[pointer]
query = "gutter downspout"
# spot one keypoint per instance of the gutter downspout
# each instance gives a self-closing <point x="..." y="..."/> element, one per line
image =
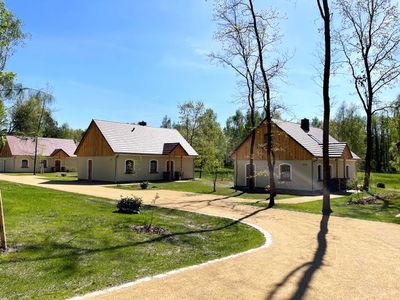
<point x="115" y="168"/>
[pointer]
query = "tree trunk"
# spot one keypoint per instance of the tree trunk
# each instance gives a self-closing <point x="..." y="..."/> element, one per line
<point x="3" y="240"/>
<point x="326" y="201"/>
<point x="267" y="108"/>
<point x="368" y="154"/>
<point x="215" y="181"/>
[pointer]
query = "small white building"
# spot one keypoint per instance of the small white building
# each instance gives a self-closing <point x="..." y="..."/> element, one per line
<point x="124" y="152"/>
<point x="298" y="154"/>
<point x="53" y="155"/>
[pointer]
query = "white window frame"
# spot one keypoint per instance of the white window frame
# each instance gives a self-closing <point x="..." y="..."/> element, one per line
<point x="290" y="173"/>
<point x="156" y="166"/>
<point x="47" y="163"/>
<point x="27" y="164"/>
<point x="133" y="167"/>
<point x="320" y="178"/>
<point x="255" y="174"/>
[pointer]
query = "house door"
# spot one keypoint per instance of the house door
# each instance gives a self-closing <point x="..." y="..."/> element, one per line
<point x="90" y="169"/>
<point x="170" y="166"/>
<point x="248" y="173"/>
<point x="57" y="165"/>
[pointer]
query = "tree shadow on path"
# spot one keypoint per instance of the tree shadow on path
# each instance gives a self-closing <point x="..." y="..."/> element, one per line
<point x="312" y="266"/>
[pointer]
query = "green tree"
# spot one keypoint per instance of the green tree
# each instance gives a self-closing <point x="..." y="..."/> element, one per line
<point x="370" y="42"/>
<point x="348" y="126"/>
<point x="166" y="122"/>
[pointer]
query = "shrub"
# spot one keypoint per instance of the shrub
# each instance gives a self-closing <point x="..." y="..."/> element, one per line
<point x="144" y="185"/>
<point x="130" y="205"/>
<point x="380" y="185"/>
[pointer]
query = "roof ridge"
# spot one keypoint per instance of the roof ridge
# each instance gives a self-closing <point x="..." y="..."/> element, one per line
<point x="132" y="124"/>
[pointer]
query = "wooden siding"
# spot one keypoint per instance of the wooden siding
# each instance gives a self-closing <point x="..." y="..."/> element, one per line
<point x="5" y="151"/>
<point x="94" y="143"/>
<point x="347" y="153"/>
<point x="285" y="147"/>
<point x="178" y="151"/>
<point x="60" y="154"/>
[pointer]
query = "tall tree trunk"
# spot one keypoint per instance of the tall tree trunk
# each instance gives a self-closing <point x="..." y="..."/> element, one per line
<point x="325" y="14"/>
<point x="368" y="154"/>
<point x="267" y="108"/>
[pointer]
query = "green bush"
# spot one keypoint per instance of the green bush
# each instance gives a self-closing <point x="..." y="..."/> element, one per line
<point x="130" y="205"/>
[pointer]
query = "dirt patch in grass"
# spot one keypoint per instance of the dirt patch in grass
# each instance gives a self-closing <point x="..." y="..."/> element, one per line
<point x="153" y="230"/>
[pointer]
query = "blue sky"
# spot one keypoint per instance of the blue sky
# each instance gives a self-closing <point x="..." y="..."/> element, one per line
<point x="128" y="61"/>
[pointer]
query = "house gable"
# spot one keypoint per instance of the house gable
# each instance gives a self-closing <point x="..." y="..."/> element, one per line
<point x="94" y="143"/>
<point x="285" y="147"/>
<point x="59" y="153"/>
<point x="5" y="150"/>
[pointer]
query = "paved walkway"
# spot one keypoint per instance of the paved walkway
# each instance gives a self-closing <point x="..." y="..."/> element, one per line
<point x="311" y="256"/>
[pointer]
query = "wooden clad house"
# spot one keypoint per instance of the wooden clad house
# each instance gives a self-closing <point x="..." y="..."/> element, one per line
<point x="298" y="155"/>
<point x="123" y="152"/>
<point x="53" y="155"/>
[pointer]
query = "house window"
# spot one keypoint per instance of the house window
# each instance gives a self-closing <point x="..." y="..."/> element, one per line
<point x="24" y="163"/>
<point x="330" y="171"/>
<point x="153" y="166"/>
<point x="320" y="173"/>
<point x="285" y="171"/>
<point x="347" y="172"/>
<point x="43" y="163"/>
<point x="129" y="166"/>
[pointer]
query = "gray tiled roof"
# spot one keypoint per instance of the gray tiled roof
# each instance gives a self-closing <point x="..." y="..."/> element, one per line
<point x="312" y="140"/>
<point x="137" y="139"/>
<point x="46" y="146"/>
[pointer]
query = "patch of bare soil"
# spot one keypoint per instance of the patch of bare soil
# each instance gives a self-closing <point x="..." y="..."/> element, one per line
<point x="150" y="229"/>
<point x="373" y="199"/>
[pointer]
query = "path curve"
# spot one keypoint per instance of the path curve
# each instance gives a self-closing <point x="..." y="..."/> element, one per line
<point x="311" y="257"/>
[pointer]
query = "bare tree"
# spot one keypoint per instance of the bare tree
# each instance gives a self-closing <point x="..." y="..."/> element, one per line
<point x="239" y="52"/>
<point x="326" y="17"/>
<point x="265" y="27"/>
<point x="369" y="38"/>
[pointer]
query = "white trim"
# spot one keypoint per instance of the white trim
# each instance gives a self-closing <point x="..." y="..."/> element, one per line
<point x="134" y="165"/>
<point x="173" y="169"/>
<point x="245" y="174"/>
<point x="27" y="163"/>
<point x="291" y="172"/>
<point x="156" y="160"/>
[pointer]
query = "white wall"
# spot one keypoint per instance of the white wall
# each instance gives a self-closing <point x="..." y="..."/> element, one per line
<point x="112" y="168"/>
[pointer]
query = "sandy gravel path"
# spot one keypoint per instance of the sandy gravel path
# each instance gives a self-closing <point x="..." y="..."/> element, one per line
<point x="311" y="257"/>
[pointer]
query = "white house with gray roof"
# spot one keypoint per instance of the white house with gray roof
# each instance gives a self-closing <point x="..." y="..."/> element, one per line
<point x="124" y="152"/>
<point x="298" y="154"/>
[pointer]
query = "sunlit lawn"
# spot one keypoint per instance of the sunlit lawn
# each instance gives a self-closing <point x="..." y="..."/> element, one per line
<point x="63" y="244"/>
<point x="203" y="187"/>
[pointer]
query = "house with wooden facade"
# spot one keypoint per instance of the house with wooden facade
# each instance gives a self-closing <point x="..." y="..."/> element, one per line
<point x="298" y="159"/>
<point x="53" y="155"/>
<point x="124" y="152"/>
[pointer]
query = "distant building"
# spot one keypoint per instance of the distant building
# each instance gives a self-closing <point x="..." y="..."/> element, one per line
<point x="298" y="154"/>
<point x="123" y="152"/>
<point x="53" y="155"/>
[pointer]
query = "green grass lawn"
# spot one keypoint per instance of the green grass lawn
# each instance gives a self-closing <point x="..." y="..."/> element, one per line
<point x="58" y="176"/>
<point x="392" y="181"/>
<point x="63" y="244"/>
<point x="372" y="212"/>
<point x="203" y="187"/>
